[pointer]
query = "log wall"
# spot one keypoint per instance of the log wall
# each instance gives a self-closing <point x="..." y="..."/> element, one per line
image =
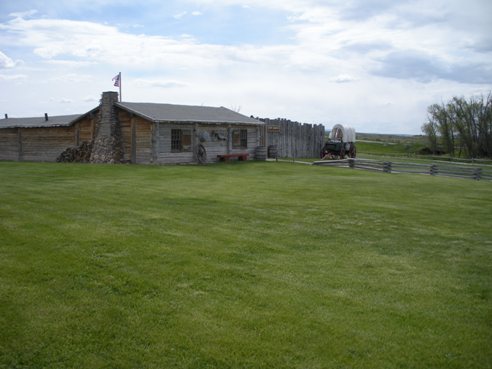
<point x="214" y="146"/>
<point x="9" y="144"/>
<point x="142" y="137"/>
<point x="164" y="154"/>
<point x="43" y="144"/>
<point x="143" y="141"/>
<point x="137" y="136"/>
<point x="86" y="129"/>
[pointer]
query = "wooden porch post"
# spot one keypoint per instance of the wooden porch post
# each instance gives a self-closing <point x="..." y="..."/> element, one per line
<point x="133" y="140"/>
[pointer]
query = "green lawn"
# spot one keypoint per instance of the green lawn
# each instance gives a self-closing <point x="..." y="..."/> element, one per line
<point x="248" y="265"/>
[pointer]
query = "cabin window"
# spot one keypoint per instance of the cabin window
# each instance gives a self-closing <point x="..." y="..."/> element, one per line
<point x="240" y="139"/>
<point x="180" y="140"/>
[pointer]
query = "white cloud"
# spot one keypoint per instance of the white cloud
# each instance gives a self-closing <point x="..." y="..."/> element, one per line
<point x="70" y="63"/>
<point x="26" y="14"/>
<point x="180" y="15"/>
<point x="13" y="77"/>
<point x="92" y="42"/>
<point x="159" y="83"/>
<point x="343" y="78"/>
<point x="323" y="40"/>
<point x="370" y="69"/>
<point x="6" y="62"/>
<point x="184" y="13"/>
<point x="72" y="78"/>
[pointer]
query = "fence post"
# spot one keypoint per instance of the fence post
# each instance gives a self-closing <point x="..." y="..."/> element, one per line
<point x="433" y="170"/>
<point x="477" y="174"/>
<point x="351" y="163"/>
<point x="387" y="167"/>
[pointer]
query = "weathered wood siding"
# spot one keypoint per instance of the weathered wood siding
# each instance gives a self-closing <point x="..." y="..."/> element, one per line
<point x="9" y="144"/>
<point x="253" y="141"/>
<point x="164" y="153"/>
<point x="136" y="134"/>
<point x="218" y="147"/>
<point x="85" y="128"/>
<point x="293" y="139"/>
<point x="143" y="141"/>
<point x="45" y="144"/>
<point x="214" y="145"/>
<point x="126" y="135"/>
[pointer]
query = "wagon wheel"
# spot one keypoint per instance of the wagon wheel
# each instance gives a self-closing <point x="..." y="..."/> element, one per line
<point x="342" y="152"/>
<point x="201" y="154"/>
<point x="353" y="151"/>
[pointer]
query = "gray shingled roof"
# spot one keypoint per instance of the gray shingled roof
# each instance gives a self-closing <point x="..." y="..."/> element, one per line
<point x="186" y="113"/>
<point x="151" y="111"/>
<point x="34" y="122"/>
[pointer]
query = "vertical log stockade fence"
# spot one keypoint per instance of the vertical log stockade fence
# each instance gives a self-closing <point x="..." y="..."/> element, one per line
<point x="284" y="138"/>
<point x="287" y="139"/>
<point x="470" y="171"/>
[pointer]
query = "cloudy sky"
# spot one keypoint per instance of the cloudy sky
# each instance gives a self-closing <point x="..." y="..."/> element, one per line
<point x="372" y="64"/>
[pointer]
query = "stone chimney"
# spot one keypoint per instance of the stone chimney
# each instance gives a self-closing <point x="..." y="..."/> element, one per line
<point x="107" y="147"/>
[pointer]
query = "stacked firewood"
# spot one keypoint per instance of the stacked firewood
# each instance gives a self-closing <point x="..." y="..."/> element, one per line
<point x="80" y="154"/>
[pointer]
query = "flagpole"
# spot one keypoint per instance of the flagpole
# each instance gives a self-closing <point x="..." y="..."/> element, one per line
<point x="117" y="82"/>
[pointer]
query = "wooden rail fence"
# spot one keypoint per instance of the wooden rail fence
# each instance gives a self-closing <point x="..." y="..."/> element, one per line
<point x="433" y="169"/>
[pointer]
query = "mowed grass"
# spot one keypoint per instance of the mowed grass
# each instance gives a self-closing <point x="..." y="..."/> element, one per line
<point x="250" y="265"/>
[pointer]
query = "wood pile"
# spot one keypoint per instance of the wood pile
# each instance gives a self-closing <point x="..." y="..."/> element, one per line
<point x="80" y="154"/>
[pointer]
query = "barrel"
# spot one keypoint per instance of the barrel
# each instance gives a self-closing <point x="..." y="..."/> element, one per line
<point x="272" y="151"/>
<point x="261" y="153"/>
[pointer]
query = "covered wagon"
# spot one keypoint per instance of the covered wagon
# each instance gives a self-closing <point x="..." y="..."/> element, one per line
<point x="341" y="143"/>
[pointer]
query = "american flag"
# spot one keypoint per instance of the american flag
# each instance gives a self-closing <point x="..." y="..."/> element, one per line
<point x="117" y="80"/>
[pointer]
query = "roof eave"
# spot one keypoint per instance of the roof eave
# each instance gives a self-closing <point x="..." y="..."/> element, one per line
<point x="73" y="121"/>
<point x="206" y="121"/>
<point x="133" y="111"/>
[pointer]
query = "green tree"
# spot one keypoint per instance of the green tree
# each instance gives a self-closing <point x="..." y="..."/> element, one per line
<point x="430" y="130"/>
<point x="463" y="127"/>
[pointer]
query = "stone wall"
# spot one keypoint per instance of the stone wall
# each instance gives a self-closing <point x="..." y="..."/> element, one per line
<point x="107" y="146"/>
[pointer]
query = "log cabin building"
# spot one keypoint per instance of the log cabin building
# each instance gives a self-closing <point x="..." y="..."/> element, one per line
<point x="140" y="133"/>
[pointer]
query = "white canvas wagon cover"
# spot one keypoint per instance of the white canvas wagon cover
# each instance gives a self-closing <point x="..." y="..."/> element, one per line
<point x="342" y="133"/>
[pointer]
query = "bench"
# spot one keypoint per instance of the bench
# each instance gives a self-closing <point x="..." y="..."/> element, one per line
<point x="239" y="156"/>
